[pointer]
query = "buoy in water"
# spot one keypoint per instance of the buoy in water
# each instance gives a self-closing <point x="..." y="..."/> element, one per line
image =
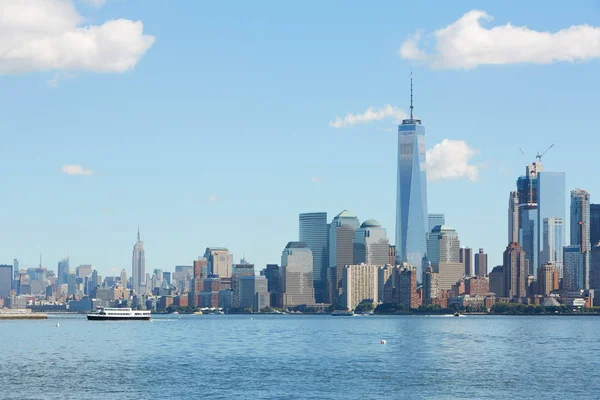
<point x="383" y="342"/>
<point x="58" y="324"/>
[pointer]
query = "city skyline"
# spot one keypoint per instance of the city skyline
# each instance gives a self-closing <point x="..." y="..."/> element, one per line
<point x="60" y="146"/>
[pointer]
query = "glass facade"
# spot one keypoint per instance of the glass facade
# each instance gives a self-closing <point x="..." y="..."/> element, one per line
<point x="552" y="198"/>
<point x="411" y="199"/>
<point x="553" y="242"/>
<point x="528" y="235"/>
<point x="434" y="220"/>
<point x="573" y="268"/>
<point x="314" y="232"/>
<point x="594" y="224"/>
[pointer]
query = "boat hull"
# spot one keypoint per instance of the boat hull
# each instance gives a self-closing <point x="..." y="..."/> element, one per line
<point x="115" y="318"/>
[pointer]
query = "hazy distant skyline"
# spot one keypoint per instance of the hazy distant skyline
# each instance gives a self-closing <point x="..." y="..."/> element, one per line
<point x="216" y="125"/>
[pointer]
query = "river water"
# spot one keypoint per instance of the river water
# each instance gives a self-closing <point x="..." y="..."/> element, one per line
<point x="302" y="357"/>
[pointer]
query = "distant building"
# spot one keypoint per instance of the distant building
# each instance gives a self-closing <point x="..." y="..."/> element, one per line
<point x="431" y="286"/>
<point x="359" y="283"/>
<point x="434" y="220"/>
<point x="573" y="268"/>
<point x="63" y="271"/>
<point x="6" y="276"/>
<point x="466" y="258"/>
<point x="477" y="285"/>
<point x="341" y="249"/>
<point x="166" y="277"/>
<point x="528" y="234"/>
<point x="553" y="242"/>
<point x="219" y="261"/>
<point x="297" y="279"/>
<point x="481" y="260"/>
<point x="392" y="255"/>
<point x="252" y="288"/>
<point x="407" y="287"/>
<point x="314" y="231"/>
<point x="238" y="272"/>
<point x="273" y="274"/>
<point x="580" y="230"/>
<point x="371" y="245"/>
<point x="516" y="272"/>
<point x="443" y="252"/>
<point x="513" y="217"/>
<point x="138" y="265"/>
<point x="551" y="204"/>
<point x="594" y="224"/>
<point x="123" y="278"/>
<point x="595" y="267"/>
<point x="548" y="279"/>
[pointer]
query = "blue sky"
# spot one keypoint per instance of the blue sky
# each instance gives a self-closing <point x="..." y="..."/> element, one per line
<point x="213" y="127"/>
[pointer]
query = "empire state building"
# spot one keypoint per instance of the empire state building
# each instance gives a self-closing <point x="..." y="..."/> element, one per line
<point x="138" y="266"/>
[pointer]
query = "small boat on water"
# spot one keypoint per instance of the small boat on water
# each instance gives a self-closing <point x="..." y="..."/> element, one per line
<point x="197" y="312"/>
<point x="456" y="314"/>
<point x="119" y="314"/>
<point x="342" y="313"/>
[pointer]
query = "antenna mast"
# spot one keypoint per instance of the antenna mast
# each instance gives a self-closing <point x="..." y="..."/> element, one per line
<point x="411" y="96"/>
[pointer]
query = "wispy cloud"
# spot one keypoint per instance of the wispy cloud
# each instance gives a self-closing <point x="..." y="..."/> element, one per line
<point x="316" y="179"/>
<point x="212" y="197"/>
<point x="72" y="169"/>
<point x="467" y="44"/>
<point x="43" y="35"/>
<point x="370" y="115"/>
<point x="451" y="159"/>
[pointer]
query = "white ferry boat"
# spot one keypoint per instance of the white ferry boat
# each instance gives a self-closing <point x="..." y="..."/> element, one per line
<point x="119" y="314"/>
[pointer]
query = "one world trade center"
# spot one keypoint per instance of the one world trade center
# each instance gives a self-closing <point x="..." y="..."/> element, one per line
<point x="411" y="200"/>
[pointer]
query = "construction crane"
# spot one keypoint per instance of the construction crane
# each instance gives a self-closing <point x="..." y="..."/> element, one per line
<point x="539" y="156"/>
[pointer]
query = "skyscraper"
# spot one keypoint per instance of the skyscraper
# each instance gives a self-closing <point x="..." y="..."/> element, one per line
<point x="138" y="266"/>
<point x="6" y="275"/>
<point x="434" y="220"/>
<point x="63" y="271"/>
<point x="513" y="217"/>
<point x="341" y="249"/>
<point x="515" y="272"/>
<point x="551" y="204"/>
<point x="553" y="242"/>
<point x="580" y="229"/>
<point x="573" y="268"/>
<point x="594" y="224"/>
<point x="411" y="195"/>
<point x="466" y="258"/>
<point x="481" y="260"/>
<point x="371" y="245"/>
<point x="443" y="252"/>
<point x="123" y="278"/>
<point x="528" y="233"/>
<point x="314" y="232"/>
<point x="219" y="261"/>
<point x="296" y="278"/>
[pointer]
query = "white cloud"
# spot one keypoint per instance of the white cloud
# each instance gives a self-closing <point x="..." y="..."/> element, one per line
<point x="71" y="169"/>
<point x="316" y="179"/>
<point x="450" y="160"/>
<point x="212" y="197"/>
<point x="372" y="114"/>
<point x="41" y="35"/>
<point x="466" y="44"/>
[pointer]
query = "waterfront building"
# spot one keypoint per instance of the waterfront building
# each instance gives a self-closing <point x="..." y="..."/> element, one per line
<point x="553" y="242"/>
<point x="595" y="267"/>
<point x="406" y="287"/>
<point x="341" y="249"/>
<point x="573" y="268"/>
<point x="251" y="289"/>
<point x="443" y="252"/>
<point x="238" y="271"/>
<point x="138" y="265"/>
<point x="516" y="272"/>
<point x="314" y="231"/>
<point x="594" y="224"/>
<point x="580" y="232"/>
<point x="548" y="279"/>
<point x="273" y="275"/>
<point x="434" y="220"/>
<point x="477" y="285"/>
<point x="431" y="286"/>
<point x="466" y="259"/>
<point x="6" y="277"/>
<point x="200" y="268"/>
<point x="297" y="280"/>
<point x="371" y="245"/>
<point x="528" y="232"/>
<point x="496" y="280"/>
<point x="63" y="271"/>
<point x="513" y="217"/>
<point x="385" y="284"/>
<point x="359" y="283"/>
<point x="219" y="261"/>
<point x="481" y="260"/>
<point x="411" y="194"/>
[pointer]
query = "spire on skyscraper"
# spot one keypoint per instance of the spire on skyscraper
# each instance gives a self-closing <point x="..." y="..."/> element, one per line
<point x="138" y="237"/>
<point x="411" y="96"/>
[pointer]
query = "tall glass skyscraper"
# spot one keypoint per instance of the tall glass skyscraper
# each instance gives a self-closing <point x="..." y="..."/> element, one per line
<point x="434" y="220"/>
<point x="314" y="232"/>
<point x="411" y="196"/>
<point x="594" y="224"/>
<point x="138" y="266"/>
<point x="553" y="243"/>
<point x="528" y="235"/>
<point x="580" y="230"/>
<point x="551" y="205"/>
